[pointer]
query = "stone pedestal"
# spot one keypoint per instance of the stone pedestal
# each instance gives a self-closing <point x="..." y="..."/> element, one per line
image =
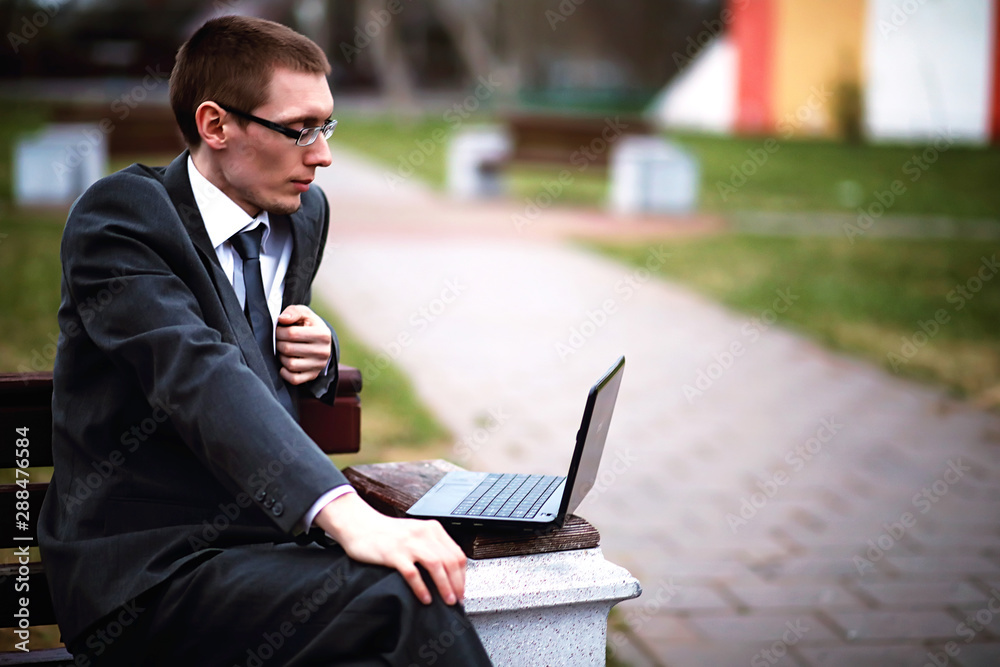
<point x="546" y="609"/>
<point x="473" y="156"/>
<point x="56" y="165"/>
<point x="651" y="175"/>
<point x="533" y="600"/>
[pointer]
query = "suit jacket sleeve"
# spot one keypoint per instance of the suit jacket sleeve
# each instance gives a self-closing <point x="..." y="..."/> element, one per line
<point x="126" y="250"/>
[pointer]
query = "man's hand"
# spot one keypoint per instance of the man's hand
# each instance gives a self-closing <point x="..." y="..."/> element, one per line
<point x="304" y="344"/>
<point x="371" y="537"/>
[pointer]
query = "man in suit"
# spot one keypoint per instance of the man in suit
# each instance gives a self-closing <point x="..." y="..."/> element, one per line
<point x="187" y="507"/>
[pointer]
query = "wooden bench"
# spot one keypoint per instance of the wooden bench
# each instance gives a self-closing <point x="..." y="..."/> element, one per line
<point x="566" y="139"/>
<point x="26" y="403"/>
<point x="576" y="143"/>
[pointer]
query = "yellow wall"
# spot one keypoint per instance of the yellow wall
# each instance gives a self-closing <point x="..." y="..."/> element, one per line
<point x="818" y="43"/>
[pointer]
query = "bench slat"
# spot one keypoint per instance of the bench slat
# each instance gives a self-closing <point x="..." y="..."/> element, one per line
<point x="50" y="657"/>
<point x="40" y="607"/>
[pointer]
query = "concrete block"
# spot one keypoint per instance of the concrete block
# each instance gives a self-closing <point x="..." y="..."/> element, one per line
<point x="56" y="165"/>
<point x="552" y="607"/>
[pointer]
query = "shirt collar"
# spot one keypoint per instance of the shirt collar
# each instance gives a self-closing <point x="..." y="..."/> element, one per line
<point x="222" y="216"/>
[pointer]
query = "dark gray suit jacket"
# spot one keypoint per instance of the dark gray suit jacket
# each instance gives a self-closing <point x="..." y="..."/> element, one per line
<point x="169" y="441"/>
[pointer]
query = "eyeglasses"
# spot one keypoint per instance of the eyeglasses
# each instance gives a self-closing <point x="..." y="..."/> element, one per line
<point x="304" y="137"/>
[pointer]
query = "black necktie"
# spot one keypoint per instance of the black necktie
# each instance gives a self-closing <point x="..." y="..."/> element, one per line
<point x="247" y="245"/>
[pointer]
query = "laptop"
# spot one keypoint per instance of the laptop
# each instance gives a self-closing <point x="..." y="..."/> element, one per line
<point x="465" y="499"/>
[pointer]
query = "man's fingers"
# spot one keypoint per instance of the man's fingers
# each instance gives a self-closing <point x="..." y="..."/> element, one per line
<point x="412" y="576"/>
<point x="456" y="564"/>
<point x="442" y="579"/>
<point x="301" y="350"/>
<point x="297" y="378"/>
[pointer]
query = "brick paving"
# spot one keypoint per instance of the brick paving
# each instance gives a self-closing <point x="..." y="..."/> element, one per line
<point x="781" y="504"/>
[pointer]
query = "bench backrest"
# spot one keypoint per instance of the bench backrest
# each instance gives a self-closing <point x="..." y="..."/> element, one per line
<point x="569" y="140"/>
<point x="26" y="445"/>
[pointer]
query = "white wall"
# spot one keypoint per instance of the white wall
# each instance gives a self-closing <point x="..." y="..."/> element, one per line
<point x="703" y="96"/>
<point x="929" y="68"/>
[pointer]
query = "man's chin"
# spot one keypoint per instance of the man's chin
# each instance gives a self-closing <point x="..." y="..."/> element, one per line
<point x="285" y="205"/>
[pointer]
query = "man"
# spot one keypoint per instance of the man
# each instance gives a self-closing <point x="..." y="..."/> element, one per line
<point x="179" y="525"/>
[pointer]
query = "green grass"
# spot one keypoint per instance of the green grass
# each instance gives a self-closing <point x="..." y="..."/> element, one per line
<point x="29" y="263"/>
<point x="815" y="175"/>
<point x="868" y="298"/>
<point x="395" y="426"/>
<point x="757" y="175"/>
<point x="407" y="148"/>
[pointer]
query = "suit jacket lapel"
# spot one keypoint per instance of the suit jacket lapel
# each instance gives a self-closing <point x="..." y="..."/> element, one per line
<point x="301" y="265"/>
<point x="178" y="186"/>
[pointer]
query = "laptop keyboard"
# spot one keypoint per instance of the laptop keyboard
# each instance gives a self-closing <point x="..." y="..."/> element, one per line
<point x="508" y="496"/>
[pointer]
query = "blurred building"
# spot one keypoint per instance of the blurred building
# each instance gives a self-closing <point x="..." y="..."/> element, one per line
<point x="886" y="69"/>
<point x="595" y="53"/>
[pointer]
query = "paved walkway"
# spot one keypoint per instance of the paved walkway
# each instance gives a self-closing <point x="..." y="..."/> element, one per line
<point x="781" y="504"/>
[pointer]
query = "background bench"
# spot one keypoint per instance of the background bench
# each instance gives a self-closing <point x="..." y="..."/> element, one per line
<point x="566" y="139"/>
<point x="26" y="401"/>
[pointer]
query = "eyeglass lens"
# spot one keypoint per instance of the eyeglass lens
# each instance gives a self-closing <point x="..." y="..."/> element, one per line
<point x="310" y="134"/>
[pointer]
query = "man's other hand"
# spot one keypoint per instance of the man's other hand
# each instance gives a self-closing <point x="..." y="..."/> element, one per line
<point x="371" y="537"/>
<point x="304" y="344"/>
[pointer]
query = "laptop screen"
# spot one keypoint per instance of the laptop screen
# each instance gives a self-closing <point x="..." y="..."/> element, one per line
<point x="597" y="432"/>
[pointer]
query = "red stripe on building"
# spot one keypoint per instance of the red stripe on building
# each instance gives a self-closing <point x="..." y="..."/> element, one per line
<point x="753" y="36"/>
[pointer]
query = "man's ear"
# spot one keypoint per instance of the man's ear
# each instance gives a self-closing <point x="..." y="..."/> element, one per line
<point x="209" y="118"/>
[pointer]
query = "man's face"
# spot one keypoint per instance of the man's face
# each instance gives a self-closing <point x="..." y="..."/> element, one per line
<point x="265" y="170"/>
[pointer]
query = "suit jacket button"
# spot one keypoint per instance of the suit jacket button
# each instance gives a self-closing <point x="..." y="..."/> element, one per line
<point x="260" y="495"/>
<point x="269" y="503"/>
<point x="278" y="509"/>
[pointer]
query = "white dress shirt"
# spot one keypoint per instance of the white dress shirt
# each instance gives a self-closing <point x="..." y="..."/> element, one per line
<point x="223" y="220"/>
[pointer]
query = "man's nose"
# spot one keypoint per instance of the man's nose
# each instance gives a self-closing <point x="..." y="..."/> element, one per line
<point x="318" y="154"/>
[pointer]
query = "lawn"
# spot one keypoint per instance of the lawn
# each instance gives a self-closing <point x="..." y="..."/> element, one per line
<point x="925" y="309"/>
<point x="737" y="174"/>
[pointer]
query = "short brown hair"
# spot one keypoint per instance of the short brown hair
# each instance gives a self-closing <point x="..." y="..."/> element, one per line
<point x="230" y="60"/>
